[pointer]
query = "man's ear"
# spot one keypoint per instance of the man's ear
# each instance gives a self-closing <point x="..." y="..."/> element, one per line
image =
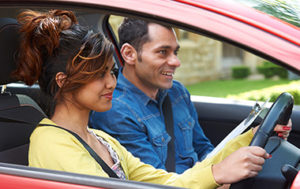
<point x="129" y="53"/>
<point x="60" y="79"/>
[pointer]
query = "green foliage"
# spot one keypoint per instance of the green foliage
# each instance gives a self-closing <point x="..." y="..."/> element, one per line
<point x="224" y="88"/>
<point x="271" y="93"/>
<point x="269" y="70"/>
<point x="240" y="72"/>
<point x="282" y="9"/>
<point x="282" y="73"/>
<point x="239" y="89"/>
<point x="274" y="95"/>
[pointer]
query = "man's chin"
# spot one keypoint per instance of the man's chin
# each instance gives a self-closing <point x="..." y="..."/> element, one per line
<point x="167" y="85"/>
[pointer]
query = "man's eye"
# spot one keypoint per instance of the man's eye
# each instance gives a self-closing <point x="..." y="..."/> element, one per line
<point x="176" y="52"/>
<point x="163" y="52"/>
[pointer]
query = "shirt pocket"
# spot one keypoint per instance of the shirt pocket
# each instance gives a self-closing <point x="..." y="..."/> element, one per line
<point x="186" y="127"/>
<point x="160" y="144"/>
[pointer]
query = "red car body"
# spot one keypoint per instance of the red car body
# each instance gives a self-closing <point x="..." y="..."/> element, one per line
<point x="245" y="27"/>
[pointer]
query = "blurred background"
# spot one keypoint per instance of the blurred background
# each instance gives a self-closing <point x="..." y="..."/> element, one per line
<point x="214" y="68"/>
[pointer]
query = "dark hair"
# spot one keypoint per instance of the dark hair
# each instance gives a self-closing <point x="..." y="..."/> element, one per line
<point x="53" y="42"/>
<point x="134" y="32"/>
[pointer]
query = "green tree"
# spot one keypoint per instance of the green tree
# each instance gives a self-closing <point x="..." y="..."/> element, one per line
<point x="287" y="10"/>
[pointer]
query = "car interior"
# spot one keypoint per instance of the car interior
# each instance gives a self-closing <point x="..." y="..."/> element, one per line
<point x="22" y="107"/>
<point x="19" y="115"/>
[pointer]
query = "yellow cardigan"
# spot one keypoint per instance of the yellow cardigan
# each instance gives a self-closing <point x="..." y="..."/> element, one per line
<point x="55" y="148"/>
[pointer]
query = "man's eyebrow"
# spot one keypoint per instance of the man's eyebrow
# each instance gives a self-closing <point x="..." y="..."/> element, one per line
<point x="169" y="47"/>
<point x="164" y="47"/>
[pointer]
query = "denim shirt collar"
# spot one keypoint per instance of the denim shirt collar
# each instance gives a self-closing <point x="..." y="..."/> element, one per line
<point x="131" y="89"/>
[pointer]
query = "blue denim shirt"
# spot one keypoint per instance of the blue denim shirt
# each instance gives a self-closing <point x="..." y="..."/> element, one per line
<point x="137" y="122"/>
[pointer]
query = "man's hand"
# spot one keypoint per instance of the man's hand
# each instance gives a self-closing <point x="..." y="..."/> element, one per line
<point x="241" y="164"/>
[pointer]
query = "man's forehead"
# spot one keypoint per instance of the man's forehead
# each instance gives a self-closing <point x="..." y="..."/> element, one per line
<point x="162" y="35"/>
<point x="154" y="27"/>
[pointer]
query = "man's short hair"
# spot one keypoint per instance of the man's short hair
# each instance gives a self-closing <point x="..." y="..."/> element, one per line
<point x="134" y="32"/>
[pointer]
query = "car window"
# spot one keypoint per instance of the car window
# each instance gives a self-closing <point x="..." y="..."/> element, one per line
<point x="217" y="69"/>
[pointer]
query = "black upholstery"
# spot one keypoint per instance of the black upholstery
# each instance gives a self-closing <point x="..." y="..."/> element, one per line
<point x="19" y="114"/>
<point x="8" y="45"/>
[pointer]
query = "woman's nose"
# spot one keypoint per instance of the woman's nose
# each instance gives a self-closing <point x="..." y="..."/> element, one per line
<point x="111" y="81"/>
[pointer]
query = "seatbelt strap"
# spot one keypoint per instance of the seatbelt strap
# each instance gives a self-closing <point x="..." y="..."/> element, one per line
<point x="168" y="117"/>
<point x="104" y="166"/>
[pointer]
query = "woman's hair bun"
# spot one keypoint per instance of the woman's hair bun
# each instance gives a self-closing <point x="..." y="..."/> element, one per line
<point x="40" y="37"/>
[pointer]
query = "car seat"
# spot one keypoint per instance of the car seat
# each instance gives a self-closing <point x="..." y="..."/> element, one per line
<point x="19" y="114"/>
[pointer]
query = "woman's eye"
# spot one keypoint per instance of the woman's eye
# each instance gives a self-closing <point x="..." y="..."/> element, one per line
<point x="114" y="71"/>
<point x="102" y="75"/>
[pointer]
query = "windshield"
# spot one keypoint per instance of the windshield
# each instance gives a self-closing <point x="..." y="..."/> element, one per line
<point x="287" y="10"/>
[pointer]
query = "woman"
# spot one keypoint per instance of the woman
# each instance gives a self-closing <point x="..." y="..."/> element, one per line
<point x="75" y="67"/>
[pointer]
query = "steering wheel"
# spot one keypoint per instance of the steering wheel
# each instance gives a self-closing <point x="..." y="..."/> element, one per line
<point x="279" y="113"/>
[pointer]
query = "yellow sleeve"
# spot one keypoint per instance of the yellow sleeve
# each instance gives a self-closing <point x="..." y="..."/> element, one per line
<point x="232" y="146"/>
<point x="200" y="176"/>
<point x="54" y="148"/>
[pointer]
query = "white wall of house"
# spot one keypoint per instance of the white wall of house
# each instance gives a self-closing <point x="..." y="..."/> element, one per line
<point x="205" y="59"/>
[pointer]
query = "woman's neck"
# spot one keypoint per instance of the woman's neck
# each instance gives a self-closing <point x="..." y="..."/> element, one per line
<point x="68" y="116"/>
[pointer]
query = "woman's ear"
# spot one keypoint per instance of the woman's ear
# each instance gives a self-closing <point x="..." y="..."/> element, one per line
<point x="60" y="78"/>
<point x="129" y="53"/>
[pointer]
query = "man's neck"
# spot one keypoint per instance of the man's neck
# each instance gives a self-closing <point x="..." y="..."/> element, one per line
<point x="150" y="92"/>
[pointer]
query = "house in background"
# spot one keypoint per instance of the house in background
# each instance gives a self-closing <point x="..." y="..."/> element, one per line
<point x="205" y="59"/>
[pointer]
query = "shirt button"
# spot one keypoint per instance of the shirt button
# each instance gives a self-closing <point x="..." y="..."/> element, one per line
<point x="163" y="139"/>
<point x="190" y="123"/>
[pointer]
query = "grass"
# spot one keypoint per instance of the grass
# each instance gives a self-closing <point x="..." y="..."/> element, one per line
<point x="227" y="88"/>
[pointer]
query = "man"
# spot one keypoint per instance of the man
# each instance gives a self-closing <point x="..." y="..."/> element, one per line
<point x="150" y="58"/>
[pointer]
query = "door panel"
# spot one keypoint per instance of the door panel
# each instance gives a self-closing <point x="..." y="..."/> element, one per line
<point x="18" y="176"/>
<point x="219" y="117"/>
<point x="26" y="182"/>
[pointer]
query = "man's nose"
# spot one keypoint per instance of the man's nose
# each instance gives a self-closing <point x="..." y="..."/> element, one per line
<point x="174" y="61"/>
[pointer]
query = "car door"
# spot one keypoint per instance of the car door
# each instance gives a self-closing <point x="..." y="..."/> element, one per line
<point x="217" y="116"/>
<point x="19" y="176"/>
<point x="218" y="119"/>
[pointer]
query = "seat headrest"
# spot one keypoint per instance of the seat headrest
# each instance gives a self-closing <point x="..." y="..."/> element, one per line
<point x="9" y="43"/>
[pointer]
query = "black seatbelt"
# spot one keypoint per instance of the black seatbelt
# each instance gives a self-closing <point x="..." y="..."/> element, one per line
<point x="104" y="166"/>
<point x="168" y="117"/>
